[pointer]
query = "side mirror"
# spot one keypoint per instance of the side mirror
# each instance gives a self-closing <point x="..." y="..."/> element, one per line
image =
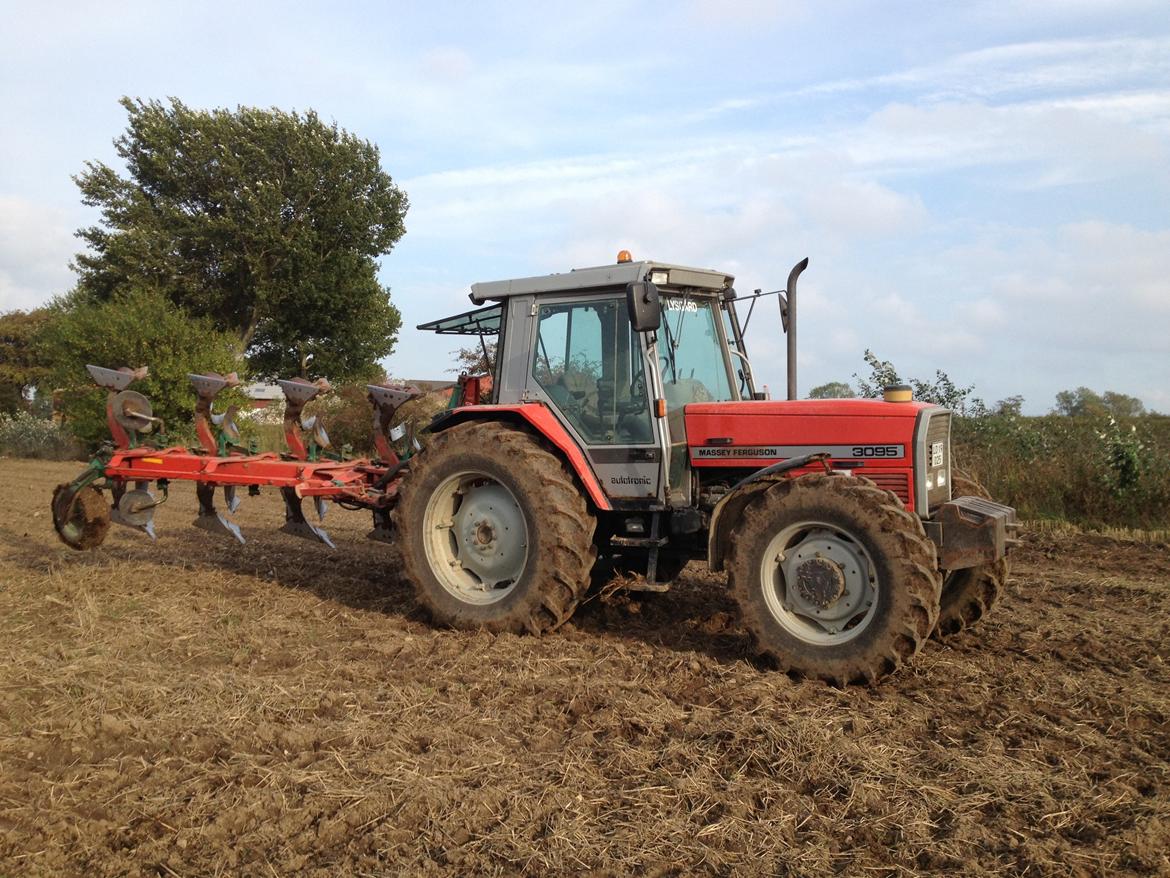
<point x="644" y="306"/>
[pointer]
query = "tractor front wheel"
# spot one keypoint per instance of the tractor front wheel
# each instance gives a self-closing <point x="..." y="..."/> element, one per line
<point x="969" y="594"/>
<point x="496" y="534"/>
<point x="834" y="578"/>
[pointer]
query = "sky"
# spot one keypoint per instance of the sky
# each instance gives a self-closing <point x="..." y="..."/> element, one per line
<point x="981" y="188"/>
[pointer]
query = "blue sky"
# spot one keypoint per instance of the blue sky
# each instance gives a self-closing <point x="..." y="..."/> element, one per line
<point x="982" y="188"/>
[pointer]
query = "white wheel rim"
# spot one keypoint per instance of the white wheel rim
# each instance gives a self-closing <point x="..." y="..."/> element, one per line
<point x="476" y="538"/>
<point x="840" y="566"/>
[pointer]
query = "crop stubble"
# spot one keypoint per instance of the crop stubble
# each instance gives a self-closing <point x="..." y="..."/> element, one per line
<point x="194" y="707"/>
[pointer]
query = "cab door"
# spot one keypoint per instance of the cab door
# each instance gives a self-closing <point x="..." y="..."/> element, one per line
<point x="589" y="366"/>
<point x="695" y="366"/>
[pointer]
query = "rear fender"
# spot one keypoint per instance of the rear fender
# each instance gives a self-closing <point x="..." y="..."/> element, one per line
<point x="544" y="423"/>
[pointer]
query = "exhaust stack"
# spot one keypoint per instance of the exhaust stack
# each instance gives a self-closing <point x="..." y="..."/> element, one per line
<point x="788" y="321"/>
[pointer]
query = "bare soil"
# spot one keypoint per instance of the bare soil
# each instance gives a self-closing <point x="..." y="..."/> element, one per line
<point x="196" y="707"/>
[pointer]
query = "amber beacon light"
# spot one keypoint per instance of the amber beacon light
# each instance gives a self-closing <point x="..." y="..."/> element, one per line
<point x="897" y="393"/>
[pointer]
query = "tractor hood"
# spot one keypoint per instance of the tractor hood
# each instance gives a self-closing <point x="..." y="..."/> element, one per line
<point x="809" y="407"/>
<point x="756" y="433"/>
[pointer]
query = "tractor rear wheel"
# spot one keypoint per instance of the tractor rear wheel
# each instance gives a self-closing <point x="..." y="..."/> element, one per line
<point x="968" y="594"/>
<point x="834" y="578"/>
<point x="495" y="531"/>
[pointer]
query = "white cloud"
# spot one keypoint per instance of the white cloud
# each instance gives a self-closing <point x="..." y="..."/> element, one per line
<point x="1067" y="144"/>
<point x="863" y="208"/>
<point x="36" y="245"/>
<point x="447" y="62"/>
<point x="1011" y="71"/>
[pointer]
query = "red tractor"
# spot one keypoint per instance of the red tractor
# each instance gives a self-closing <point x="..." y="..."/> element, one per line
<point x="621" y="425"/>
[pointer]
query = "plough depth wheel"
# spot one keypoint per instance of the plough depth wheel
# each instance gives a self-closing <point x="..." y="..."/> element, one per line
<point x="81" y="517"/>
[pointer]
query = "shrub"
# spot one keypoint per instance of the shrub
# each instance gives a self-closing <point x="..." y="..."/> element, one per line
<point x="348" y="418"/>
<point x="138" y="327"/>
<point x="24" y="435"/>
<point x="1090" y="470"/>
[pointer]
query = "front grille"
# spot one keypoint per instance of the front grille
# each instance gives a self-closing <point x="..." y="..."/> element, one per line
<point x="898" y="483"/>
<point x="939" y="431"/>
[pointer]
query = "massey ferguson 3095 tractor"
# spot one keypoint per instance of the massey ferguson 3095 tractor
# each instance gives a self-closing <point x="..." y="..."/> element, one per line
<point x="621" y="426"/>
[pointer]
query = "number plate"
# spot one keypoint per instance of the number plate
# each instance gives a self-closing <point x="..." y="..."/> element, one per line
<point x="936" y="454"/>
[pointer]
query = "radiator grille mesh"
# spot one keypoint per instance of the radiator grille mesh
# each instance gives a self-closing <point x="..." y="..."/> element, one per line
<point x="899" y="483"/>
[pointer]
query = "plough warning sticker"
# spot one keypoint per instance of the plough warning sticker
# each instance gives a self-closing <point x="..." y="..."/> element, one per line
<point x="784" y="452"/>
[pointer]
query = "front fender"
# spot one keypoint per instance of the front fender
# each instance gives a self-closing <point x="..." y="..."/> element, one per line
<point x="725" y="515"/>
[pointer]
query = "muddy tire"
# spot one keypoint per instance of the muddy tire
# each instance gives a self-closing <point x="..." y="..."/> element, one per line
<point x="495" y="531"/>
<point x="834" y="578"/>
<point x="968" y="594"/>
<point x="81" y="523"/>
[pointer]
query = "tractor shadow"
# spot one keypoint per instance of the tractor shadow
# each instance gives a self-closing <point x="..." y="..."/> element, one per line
<point x="696" y="616"/>
<point x="361" y="577"/>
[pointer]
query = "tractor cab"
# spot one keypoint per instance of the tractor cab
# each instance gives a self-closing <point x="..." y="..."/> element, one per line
<point x="616" y="353"/>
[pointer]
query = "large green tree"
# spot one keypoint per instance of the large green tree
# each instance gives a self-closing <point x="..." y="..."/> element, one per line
<point x="266" y="222"/>
<point x="832" y="390"/>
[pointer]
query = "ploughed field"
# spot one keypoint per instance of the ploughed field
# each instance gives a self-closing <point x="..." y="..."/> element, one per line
<point x="196" y="707"/>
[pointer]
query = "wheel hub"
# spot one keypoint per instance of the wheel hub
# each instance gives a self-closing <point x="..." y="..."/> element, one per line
<point x="820" y="582"/>
<point x="476" y="538"/>
<point x="490" y="534"/>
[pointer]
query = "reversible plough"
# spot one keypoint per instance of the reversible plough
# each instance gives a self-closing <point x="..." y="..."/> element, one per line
<point x="140" y="456"/>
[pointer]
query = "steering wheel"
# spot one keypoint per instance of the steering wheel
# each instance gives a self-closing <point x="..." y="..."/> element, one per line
<point x="636" y="401"/>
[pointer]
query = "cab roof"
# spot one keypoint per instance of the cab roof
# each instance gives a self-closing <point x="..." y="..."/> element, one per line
<point x="616" y="275"/>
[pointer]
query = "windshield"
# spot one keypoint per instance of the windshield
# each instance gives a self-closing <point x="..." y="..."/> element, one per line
<point x="694" y="367"/>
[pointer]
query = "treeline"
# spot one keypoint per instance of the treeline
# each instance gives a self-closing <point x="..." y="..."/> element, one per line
<point x="1092" y="469"/>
